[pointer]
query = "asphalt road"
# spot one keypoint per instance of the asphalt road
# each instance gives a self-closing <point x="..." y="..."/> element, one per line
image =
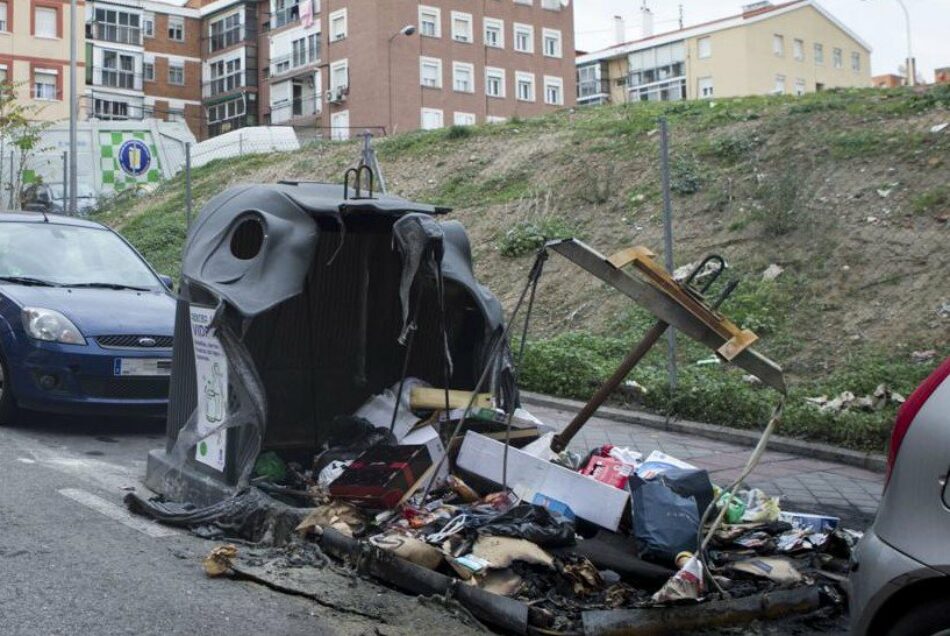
<point x="73" y="562"/>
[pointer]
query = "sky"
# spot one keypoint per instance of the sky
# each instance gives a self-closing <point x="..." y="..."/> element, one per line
<point x="878" y="22"/>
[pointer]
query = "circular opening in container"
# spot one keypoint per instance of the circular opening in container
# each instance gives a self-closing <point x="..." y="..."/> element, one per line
<point x="247" y="239"/>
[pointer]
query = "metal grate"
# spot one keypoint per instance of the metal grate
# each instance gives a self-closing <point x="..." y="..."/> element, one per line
<point x="134" y="342"/>
<point x="130" y="388"/>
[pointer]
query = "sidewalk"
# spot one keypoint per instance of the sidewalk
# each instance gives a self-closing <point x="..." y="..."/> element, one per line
<point x="804" y="484"/>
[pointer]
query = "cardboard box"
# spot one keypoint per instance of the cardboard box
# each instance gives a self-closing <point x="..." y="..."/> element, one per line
<point x="609" y="471"/>
<point x="424" y="398"/>
<point x="587" y="497"/>
<point x="381" y="476"/>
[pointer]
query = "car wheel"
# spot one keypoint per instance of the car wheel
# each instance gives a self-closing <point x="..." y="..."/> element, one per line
<point x="930" y="619"/>
<point x="8" y="408"/>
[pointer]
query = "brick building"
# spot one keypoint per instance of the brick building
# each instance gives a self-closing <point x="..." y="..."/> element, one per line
<point x="34" y="54"/>
<point x="328" y="66"/>
<point x="942" y="75"/>
<point x="889" y="80"/>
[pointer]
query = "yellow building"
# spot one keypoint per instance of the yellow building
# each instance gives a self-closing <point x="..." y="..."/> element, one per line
<point x="34" y="53"/>
<point x="791" y="48"/>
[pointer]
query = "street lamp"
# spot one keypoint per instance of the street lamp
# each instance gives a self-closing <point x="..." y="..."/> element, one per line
<point x="407" y="31"/>
<point x="911" y="67"/>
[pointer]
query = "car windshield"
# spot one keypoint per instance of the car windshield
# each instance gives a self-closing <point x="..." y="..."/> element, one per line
<point x="70" y="255"/>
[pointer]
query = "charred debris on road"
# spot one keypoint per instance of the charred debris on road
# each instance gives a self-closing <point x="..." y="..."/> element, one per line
<point x="311" y="422"/>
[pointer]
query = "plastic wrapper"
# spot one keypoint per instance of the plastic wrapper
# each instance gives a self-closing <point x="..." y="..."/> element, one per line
<point x="686" y="584"/>
<point x="534" y="523"/>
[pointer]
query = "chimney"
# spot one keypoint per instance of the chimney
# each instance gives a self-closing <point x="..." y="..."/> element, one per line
<point x="620" y="30"/>
<point x="646" y="21"/>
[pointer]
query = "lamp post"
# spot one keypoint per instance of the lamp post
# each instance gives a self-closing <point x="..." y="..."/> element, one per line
<point x="407" y="30"/>
<point x="73" y="169"/>
<point x="911" y="66"/>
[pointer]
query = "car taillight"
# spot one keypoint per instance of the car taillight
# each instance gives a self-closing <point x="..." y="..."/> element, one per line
<point x="908" y="411"/>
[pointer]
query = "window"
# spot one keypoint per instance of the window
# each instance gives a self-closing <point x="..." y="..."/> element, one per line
<point x="44" y="84"/>
<point x="819" y="54"/>
<point x="658" y="73"/>
<point x="227" y="110"/>
<point x="495" y="82"/>
<point x="552" y="43"/>
<point x="464" y="119"/>
<point x="778" y="45"/>
<point x="495" y="119"/>
<point x="704" y="86"/>
<point x="118" y="70"/>
<point x="856" y="62"/>
<point x="226" y="76"/>
<point x="462" y="77"/>
<point x="430" y="21"/>
<point x="798" y="50"/>
<point x="4" y="24"/>
<point x="779" y="85"/>
<point x="494" y="33"/>
<point x="176" y="73"/>
<point x="340" y="75"/>
<point x="176" y="28"/>
<point x="553" y="91"/>
<point x="431" y="118"/>
<point x="117" y="26"/>
<point x="44" y="22"/>
<point x="837" y="58"/>
<point x="225" y="32"/>
<point x="3" y="73"/>
<point x="704" y="47"/>
<point x="524" y="38"/>
<point x="338" y="25"/>
<point x="148" y="71"/>
<point x="430" y="72"/>
<point x="148" y="25"/>
<point x="108" y="109"/>
<point x="799" y="87"/>
<point x="524" y="86"/>
<point x="461" y="26"/>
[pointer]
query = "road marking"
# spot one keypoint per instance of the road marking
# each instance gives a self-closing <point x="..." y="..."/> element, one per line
<point x="118" y="513"/>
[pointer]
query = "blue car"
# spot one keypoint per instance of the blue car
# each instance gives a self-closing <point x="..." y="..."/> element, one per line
<point x="86" y="324"/>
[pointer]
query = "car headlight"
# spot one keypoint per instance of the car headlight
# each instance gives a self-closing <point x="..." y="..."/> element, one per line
<point x="50" y="326"/>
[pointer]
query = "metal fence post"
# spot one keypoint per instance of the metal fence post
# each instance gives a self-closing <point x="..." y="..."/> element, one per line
<point x="668" y="238"/>
<point x="65" y="175"/>
<point x="13" y="193"/>
<point x="241" y="145"/>
<point x="187" y="184"/>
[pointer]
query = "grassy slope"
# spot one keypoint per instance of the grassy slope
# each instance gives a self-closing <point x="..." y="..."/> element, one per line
<point x="758" y="180"/>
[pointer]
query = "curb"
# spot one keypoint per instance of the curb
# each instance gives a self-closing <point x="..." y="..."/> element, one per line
<point x="868" y="461"/>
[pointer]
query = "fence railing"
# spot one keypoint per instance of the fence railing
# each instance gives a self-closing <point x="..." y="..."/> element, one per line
<point x="120" y="34"/>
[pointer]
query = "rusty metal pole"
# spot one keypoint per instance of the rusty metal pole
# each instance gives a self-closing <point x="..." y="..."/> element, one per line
<point x="562" y="439"/>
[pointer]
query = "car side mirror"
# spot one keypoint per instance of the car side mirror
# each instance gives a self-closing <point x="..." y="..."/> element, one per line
<point x="167" y="281"/>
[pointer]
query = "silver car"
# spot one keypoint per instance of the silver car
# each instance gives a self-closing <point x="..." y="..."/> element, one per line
<point x="900" y="572"/>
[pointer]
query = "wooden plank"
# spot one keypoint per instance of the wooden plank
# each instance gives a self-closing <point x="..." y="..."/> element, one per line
<point x="432" y="398"/>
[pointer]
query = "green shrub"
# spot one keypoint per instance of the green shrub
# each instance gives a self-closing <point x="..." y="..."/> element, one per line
<point x="527" y="237"/>
<point x="733" y="148"/>
<point x="781" y="210"/>
<point x="685" y="175"/>
<point x="458" y="132"/>
<point x="932" y="200"/>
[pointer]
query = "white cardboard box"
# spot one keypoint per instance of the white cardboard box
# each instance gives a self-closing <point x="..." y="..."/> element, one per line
<point x="588" y="498"/>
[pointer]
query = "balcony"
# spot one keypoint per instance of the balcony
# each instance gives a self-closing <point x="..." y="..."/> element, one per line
<point x="295" y="109"/>
<point x="117" y="33"/>
<point x="115" y="78"/>
<point x="286" y="64"/>
<point x="284" y="16"/>
<point x="592" y="89"/>
<point x="229" y="83"/>
<point x="233" y="36"/>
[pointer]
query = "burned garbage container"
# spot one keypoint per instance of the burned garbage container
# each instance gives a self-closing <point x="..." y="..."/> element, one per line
<point x="298" y="302"/>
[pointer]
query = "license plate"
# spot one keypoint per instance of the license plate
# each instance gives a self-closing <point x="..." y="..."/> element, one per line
<point x="142" y="367"/>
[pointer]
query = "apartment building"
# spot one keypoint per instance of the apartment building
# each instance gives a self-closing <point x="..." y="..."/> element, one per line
<point x="791" y="48"/>
<point x="351" y="64"/>
<point x="34" y="54"/>
<point x="328" y="66"/>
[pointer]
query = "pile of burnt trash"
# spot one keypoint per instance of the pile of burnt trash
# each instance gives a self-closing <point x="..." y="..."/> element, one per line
<point x="576" y="543"/>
